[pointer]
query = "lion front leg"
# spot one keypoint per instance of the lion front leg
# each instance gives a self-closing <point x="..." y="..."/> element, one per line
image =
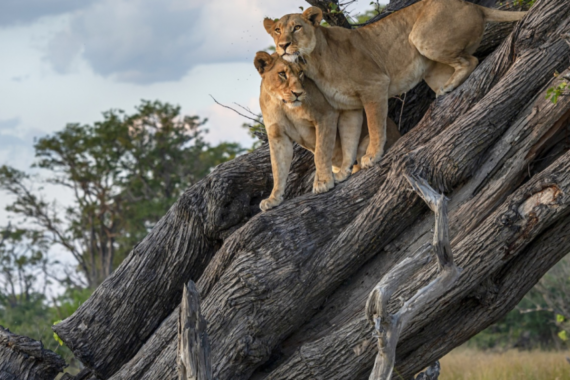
<point x="281" y="150"/>
<point x="376" y="113"/>
<point x="325" y="140"/>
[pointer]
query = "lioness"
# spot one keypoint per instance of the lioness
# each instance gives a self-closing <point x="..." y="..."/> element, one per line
<point x="361" y="68"/>
<point x="294" y="109"/>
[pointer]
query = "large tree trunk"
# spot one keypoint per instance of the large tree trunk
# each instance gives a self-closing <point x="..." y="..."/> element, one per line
<point x="22" y="358"/>
<point x="284" y="291"/>
<point x="108" y="329"/>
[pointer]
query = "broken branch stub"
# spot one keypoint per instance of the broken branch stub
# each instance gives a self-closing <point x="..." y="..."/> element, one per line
<point x="193" y="354"/>
<point x="389" y="326"/>
<point x="22" y="358"/>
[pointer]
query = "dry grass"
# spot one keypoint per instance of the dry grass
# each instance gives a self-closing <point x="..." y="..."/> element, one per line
<point x="468" y="364"/>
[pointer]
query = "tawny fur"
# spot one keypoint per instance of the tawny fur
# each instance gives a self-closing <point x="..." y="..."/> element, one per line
<point x="294" y="110"/>
<point x="362" y="68"/>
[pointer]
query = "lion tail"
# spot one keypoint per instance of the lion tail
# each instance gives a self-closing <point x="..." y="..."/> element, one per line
<point x="495" y="15"/>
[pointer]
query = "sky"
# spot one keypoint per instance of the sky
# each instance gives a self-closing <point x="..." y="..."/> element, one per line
<point x="67" y="61"/>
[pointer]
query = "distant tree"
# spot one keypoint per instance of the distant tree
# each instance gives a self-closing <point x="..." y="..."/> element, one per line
<point x="119" y="175"/>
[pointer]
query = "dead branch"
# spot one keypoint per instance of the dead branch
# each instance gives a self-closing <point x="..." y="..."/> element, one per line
<point x="23" y="358"/>
<point x="389" y="326"/>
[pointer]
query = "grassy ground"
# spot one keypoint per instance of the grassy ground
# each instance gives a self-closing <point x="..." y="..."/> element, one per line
<point x="469" y="364"/>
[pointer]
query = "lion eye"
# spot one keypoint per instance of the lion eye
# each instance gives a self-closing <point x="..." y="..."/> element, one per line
<point x="278" y="31"/>
<point x="297" y="27"/>
<point x="283" y="75"/>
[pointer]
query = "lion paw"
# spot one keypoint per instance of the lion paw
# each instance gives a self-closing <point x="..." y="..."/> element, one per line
<point x="269" y="203"/>
<point x="442" y="91"/>
<point x="369" y="160"/>
<point x="322" y="186"/>
<point x="341" y="175"/>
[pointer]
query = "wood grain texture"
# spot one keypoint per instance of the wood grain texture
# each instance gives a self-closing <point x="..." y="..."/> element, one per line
<point x="22" y="358"/>
<point x="388" y="326"/>
<point x="193" y="355"/>
<point x="108" y="329"/>
<point x="272" y="275"/>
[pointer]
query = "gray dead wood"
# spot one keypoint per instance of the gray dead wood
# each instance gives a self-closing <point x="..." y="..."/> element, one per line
<point x="388" y="326"/>
<point x="193" y="355"/>
<point x="431" y="373"/>
<point x="530" y="138"/>
<point x="108" y="329"/>
<point x="184" y="241"/>
<point x="22" y="358"/>
<point x="498" y="269"/>
<point x="271" y="275"/>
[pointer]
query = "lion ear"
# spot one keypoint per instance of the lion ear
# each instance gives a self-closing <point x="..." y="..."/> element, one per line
<point x="268" y="24"/>
<point x="262" y="61"/>
<point x="313" y="15"/>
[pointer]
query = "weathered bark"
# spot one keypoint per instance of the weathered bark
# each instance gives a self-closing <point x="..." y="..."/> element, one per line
<point x="333" y="18"/>
<point x="193" y="353"/>
<point x="484" y="255"/>
<point x="22" y="358"/>
<point x="506" y="166"/>
<point x="84" y="374"/>
<point x="389" y="326"/>
<point x="227" y="192"/>
<point x="270" y="275"/>
<point x="108" y="329"/>
<point x="431" y="373"/>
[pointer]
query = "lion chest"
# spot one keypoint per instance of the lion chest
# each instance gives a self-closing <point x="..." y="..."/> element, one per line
<point x="301" y="130"/>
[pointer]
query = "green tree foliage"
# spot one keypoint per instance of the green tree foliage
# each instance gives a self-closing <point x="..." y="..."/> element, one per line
<point x="120" y="175"/>
<point x="541" y="320"/>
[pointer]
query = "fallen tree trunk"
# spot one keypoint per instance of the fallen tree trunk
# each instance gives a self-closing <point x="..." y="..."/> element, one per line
<point x="506" y="166"/>
<point x="22" y="358"/>
<point x="270" y="275"/>
<point x="110" y="327"/>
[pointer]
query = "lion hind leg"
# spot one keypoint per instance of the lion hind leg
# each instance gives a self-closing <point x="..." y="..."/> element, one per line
<point x="464" y="66"/>
<point x="438" y="75"/>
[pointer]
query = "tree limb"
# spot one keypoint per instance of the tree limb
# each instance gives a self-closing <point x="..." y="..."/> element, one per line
<point x="388" y="326"/>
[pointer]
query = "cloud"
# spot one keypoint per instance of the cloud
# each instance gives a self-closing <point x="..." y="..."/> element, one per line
<point x="9" y="123"/>
<point x="13" y="12"/>
<point x="147" y="41"/>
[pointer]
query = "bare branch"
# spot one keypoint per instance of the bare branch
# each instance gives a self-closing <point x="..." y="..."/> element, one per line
<point x="389" y="326"/>
<point x="236" y="111"/>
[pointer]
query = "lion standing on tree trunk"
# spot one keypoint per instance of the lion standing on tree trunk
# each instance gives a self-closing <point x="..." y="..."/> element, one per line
<point x="360" y="68"/>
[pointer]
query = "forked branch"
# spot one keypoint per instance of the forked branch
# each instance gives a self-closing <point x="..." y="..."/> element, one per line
<point x="389" y="326"/>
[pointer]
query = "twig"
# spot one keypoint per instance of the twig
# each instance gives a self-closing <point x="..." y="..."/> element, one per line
<point x="538" y="308"/>
<point x="245" y="109"/>
<point x="236" y="111"/>
<point x="402" y="111"/>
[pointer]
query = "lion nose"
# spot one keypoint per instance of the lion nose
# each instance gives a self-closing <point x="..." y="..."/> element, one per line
<point x="284" y="46"/>
<point x="297" y="94"/>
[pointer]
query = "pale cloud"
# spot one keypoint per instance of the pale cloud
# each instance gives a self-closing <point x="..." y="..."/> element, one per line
<point x="148" y="41"/>
<point x="14" y="12"/>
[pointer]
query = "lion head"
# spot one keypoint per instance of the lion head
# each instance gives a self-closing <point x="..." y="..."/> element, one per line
<point x="282" y="79"/>
<point x="294" y="34"/>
